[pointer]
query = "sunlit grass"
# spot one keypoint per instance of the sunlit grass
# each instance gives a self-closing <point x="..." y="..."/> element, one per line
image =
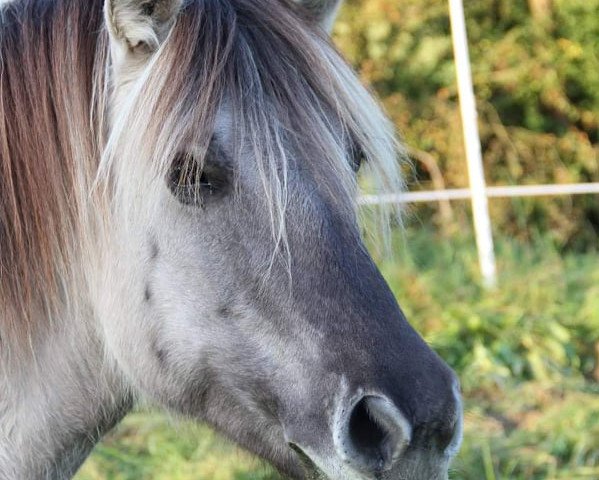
<point x="155" y="446"/>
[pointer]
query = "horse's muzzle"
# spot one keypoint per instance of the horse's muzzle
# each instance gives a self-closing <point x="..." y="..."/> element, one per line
<point x="373" y="439"/>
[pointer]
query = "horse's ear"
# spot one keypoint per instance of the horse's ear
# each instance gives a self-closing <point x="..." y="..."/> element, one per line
<point x="140" y="26"/>
<point x="324" y="12"/>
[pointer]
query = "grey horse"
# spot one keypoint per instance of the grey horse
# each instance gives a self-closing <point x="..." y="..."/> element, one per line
<point x="178" y="224"/>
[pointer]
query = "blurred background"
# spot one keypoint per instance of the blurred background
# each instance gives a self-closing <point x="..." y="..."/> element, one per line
<point x="527" y="352"/>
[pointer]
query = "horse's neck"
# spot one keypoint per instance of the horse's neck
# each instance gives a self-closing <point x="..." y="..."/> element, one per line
<point x="54" y="408"/>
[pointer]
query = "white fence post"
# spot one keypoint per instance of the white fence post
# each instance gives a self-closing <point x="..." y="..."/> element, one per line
<point x="480" y="207"/>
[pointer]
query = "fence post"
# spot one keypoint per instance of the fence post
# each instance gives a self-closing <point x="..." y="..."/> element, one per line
<point x="480" y="207"/>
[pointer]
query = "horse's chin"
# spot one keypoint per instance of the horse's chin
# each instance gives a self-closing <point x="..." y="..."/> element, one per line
<point x="417" y="467"/>
<point x="396" y="474"/>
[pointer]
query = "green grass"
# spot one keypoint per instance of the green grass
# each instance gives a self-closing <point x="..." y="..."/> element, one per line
<point x="153" y="446"/>
<point x="526" y="354"/>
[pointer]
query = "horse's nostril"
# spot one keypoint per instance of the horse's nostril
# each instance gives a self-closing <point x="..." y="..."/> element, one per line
<point x="367" y="435"/>
<point x="375" y="434"/>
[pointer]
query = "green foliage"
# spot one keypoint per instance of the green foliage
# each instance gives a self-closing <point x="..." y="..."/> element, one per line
<point x="533" y="431"/>
<point x="152" y="446"/>
<point x="536" y="78"/>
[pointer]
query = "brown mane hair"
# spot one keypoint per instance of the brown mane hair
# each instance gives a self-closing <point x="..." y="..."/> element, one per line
<point x="49" y="53"/>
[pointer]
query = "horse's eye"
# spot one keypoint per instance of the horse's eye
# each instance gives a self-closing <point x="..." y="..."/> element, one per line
<point x="193" y="184"/>
<point x="357" y="157"/>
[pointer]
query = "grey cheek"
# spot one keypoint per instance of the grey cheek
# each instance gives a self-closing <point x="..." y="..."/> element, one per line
<point x="147" y="293"/>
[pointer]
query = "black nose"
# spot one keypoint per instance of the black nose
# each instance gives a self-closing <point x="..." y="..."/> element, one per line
<point x="442" y="431"/>
<point x="437" y="425"/>
<point x="375" y="433"/>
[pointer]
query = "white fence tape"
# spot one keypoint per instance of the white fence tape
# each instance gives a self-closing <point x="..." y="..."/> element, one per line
<point x="491" y="192"/>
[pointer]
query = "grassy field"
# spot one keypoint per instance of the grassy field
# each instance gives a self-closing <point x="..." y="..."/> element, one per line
<point x="526" y="354"/>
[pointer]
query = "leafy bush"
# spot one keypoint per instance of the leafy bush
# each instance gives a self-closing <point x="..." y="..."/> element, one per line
<point x="536" y="78"/>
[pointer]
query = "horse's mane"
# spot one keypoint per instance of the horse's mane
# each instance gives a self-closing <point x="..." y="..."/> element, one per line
<point x="281" y="77"/>
<point x="49" y="50"/>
